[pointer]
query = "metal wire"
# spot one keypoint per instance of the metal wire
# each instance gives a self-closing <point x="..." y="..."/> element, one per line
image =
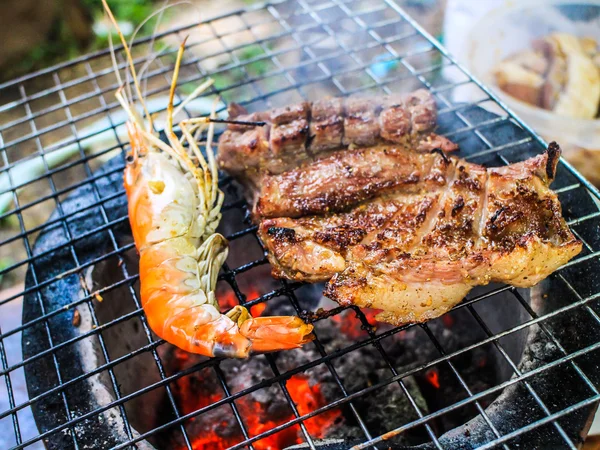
<point x="43" y="118"/>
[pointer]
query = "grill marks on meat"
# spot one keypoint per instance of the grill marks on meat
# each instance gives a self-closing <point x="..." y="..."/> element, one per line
<point x="326" y="125"/>
<point x="416" y="251"/>
<point x="361" y="124"/>
<point x="390" y="221"/>
<point x="343" y="179"/>
<point x="454" y="227"/>
<point x="308" y="131"/>
<point x="334" y="235"/>
<point x="289" y="132"/>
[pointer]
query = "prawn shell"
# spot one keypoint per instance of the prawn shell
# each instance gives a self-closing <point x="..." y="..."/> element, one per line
<point x="169" y="224"/>
<point x="162" y="201"/>
<point x="276" y="333"/>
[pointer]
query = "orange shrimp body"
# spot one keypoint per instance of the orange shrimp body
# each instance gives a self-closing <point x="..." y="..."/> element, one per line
<point x="180" y="257"/>
<point x="174" y="210"/>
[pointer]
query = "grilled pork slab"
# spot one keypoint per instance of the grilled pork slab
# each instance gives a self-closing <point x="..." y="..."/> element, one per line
<point x="305" y="132"/>
<point x="418" y="248"/>
<point x="360" y="194"/>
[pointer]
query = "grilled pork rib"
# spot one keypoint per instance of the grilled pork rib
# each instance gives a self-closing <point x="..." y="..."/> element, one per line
<point x="416" y="251"/>
<point x="396" y="225"/>
<point x="305" y="132"/>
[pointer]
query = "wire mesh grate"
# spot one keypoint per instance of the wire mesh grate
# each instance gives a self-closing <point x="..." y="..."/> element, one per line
<point x="63" y="147"/>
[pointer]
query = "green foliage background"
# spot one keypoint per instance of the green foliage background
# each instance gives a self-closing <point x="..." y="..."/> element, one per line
<point x="62" y="45"/>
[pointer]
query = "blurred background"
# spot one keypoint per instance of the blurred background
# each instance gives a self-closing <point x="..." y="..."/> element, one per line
<point x="37" y="34"/>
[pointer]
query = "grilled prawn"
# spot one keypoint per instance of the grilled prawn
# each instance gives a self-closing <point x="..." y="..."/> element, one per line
<point x="174" y="210"/>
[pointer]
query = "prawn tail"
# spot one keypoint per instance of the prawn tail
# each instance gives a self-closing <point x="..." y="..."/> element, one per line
<point x="177" y="294"/>
<point x="276" y="333"/>
<point x="204" y="330"/>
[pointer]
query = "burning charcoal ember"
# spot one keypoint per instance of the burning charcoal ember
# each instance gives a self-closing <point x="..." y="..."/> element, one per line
<point x="355" y="328"/>
<point x="432" y="389"/>
<point x="261" y="410"/>
<point x="381" y="410"/>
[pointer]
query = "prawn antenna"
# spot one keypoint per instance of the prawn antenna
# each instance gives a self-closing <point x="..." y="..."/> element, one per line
<point x="172" y="90"/>
<point x="151" y="55"/>
<point x="131" y="63"/>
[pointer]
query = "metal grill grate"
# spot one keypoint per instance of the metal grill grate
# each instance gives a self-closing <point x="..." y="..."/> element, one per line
<point x="260" y="56"/>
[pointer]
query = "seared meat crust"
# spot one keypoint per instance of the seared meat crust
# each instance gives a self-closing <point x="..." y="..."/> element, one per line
<point x="415" y="251"/>
<point x="326" y="125"/>
<point x="361" y="194"/>
<point x="343" y="179"/>
<point x="308" y="131"/>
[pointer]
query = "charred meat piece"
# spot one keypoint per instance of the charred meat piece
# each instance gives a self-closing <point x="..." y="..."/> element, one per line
<point x="395" y="122"/>
<point x="421" y="106"/>
<point x="242" y="148"/>
<point x="337" y="182"/>
<point x="398" y="226"/>
<point x="326" y="125"/>
<point x="289" y="131"/>
<point x="417" y="250"/>
<point x="314" y="248"/>
<point x="306" y="131"/>
<point x="361" y="126"/>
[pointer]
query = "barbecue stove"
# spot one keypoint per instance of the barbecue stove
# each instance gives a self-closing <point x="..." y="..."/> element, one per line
<point x="506" y="368"/>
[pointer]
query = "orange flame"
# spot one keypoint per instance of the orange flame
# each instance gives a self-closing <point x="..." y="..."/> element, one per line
<point x="229" y="300"/>
<point x="351" y="326"/>
<point x="257" y="309"/>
